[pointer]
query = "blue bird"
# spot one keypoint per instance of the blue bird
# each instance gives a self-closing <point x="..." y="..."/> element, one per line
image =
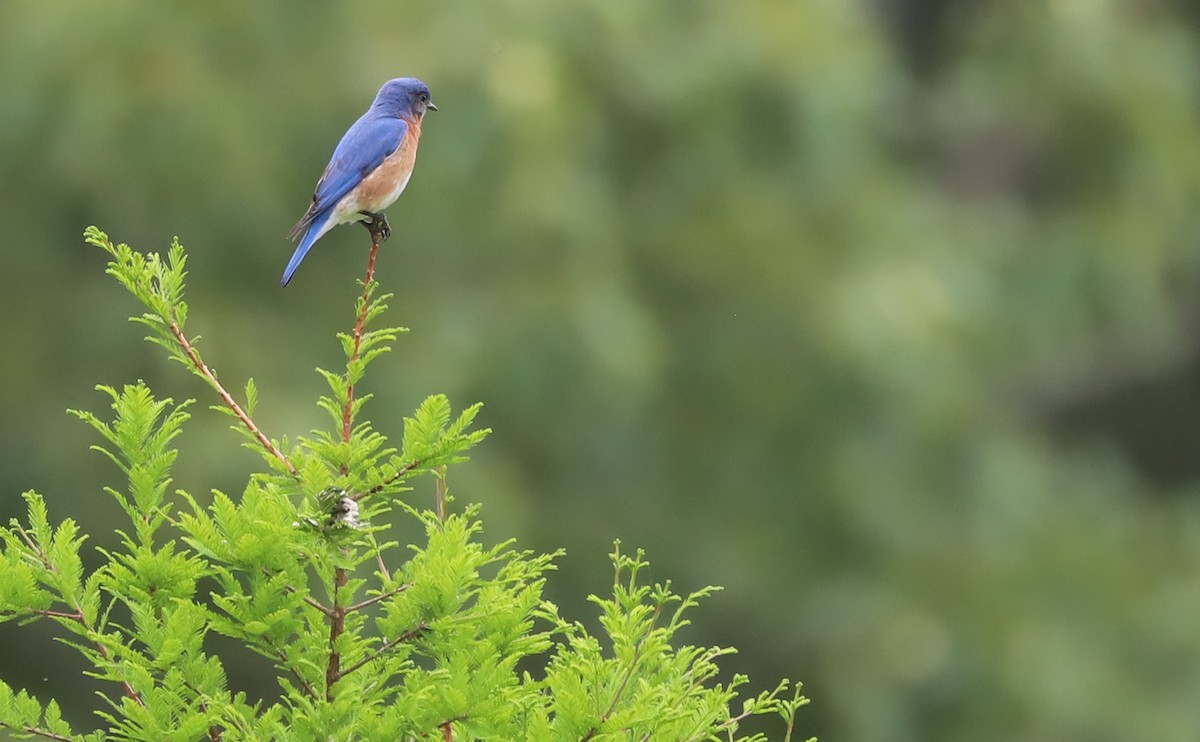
<point x="369" y="169"/>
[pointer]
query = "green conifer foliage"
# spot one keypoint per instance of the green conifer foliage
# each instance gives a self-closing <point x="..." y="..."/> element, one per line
<point x="441" y="639"/>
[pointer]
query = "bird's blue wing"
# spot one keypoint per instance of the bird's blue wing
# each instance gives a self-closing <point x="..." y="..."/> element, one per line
<point x="362" y="149"/>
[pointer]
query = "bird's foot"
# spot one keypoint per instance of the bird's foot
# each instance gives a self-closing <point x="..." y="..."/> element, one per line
<point x="377" y="225"/>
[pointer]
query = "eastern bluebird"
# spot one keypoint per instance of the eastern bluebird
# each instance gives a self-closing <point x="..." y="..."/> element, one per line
<point x="369" y="168"/>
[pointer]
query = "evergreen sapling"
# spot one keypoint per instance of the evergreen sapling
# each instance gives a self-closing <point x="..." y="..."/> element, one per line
<point x="371" y="639"/>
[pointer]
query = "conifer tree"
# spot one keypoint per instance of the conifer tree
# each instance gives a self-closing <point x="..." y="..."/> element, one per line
<point x="441" y="639"/>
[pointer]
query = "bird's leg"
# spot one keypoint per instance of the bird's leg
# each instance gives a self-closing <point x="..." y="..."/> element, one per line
<point x="377" y="225"/>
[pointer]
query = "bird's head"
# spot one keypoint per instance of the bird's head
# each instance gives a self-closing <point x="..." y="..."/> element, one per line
<point x="404" y="96"/>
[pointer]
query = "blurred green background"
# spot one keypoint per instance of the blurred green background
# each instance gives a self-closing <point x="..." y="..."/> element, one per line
<point x="883" y="314"/>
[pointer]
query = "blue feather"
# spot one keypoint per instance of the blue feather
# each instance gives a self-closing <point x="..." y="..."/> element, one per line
<point x="310" y="238"/>
<point x="363" y="148"/>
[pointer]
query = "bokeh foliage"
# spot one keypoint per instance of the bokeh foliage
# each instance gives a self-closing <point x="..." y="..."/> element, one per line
<point x="880" y="313"/>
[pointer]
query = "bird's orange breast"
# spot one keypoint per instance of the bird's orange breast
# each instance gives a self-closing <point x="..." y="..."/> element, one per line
<point x="385" y="184"/>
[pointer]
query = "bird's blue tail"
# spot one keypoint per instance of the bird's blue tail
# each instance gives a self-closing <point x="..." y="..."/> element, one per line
<point x="314" y="233"/>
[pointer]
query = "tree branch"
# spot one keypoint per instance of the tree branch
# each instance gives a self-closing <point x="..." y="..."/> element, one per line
<point x="379" y="487"/>
<point x="37" y="732"/>
<point x="439" y="493"/>
<point x="376" y="599"/>
<point x="214" y="732"/>
<point x="316" y="604"/>
<point x="304" y="684"/>
<point x="387" y="575"/>
<point x="377" y="228"/>
<point x="226" y="397"/>
<point x="421" y="628"/>
<point x="59" y="614"/>
<point x="625" y="680"/>
<point x="77" y="616"/>
<point x="337" y="624"/>
<point x="129" y="690"/>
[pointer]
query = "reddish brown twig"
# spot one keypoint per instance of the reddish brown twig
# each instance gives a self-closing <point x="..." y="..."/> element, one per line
<point x="406" y="636"/>
<point x="376" y="237"/>
<point x="337" y="613"/>
<point x="38" y="732"/>
<point x="226" y="397"/>
<point x="214" y="731"/>
<point x="376" y="599"/>
<point x="304" y="684"/>
<point x="389" y="481"/>
<point x="337" y="624"/>
<point x="439" y="494"/>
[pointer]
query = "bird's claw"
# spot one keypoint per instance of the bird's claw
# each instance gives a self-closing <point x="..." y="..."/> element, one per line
<point x="377" y="225"/>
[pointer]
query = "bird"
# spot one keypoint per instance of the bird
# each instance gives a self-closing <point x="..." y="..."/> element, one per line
<point x="369" y="169"/>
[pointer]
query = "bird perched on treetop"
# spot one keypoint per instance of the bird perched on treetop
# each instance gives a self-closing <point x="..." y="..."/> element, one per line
<point x="369" y="169"/>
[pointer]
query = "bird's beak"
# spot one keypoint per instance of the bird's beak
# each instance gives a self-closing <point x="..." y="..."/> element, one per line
<point x="431" y="106"/>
